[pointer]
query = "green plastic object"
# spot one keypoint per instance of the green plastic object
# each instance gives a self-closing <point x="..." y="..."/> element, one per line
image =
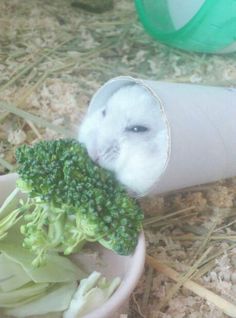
<point x="194" y="25"/>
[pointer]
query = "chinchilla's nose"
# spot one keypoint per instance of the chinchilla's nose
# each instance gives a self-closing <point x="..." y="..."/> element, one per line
<point x="109" y="150"/>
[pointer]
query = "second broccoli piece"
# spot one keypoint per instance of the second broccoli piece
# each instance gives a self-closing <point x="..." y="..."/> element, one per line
<point x="72" y="201"/>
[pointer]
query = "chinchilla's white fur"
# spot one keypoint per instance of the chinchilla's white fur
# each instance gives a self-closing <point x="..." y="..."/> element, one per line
<point x="136" y="158"/>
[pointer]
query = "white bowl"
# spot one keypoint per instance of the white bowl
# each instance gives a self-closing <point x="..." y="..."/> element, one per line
<point x="128" y="268"/>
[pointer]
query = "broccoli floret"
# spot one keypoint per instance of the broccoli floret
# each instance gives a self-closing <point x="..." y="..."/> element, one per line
<point x="73" y="201"/>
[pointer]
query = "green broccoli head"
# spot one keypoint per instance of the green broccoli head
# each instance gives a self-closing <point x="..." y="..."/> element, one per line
<point x="74" y="200"/>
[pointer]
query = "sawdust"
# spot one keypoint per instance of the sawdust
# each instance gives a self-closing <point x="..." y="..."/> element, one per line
<point x="53" y="58"/>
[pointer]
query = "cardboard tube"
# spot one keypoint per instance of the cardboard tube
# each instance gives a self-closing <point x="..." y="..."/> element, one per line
<point x="201" y="121"/>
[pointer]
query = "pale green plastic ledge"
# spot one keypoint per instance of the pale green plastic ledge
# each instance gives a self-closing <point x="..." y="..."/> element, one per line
<point x="211" y="30"/>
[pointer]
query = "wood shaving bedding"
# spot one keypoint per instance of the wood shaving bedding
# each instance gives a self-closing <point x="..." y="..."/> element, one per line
<point x="53" y="57"/>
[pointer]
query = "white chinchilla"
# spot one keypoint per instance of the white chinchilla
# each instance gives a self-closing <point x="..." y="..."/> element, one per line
<point x="126" y="135"/>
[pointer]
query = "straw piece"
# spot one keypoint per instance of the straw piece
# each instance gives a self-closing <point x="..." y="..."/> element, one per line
<point x="225" y="226"/>
<point x="34" y="129"/>
<point x="158" y="218"/>
<point x="3" y="116"/>
<point x="203" y="244"/>
<point x="164" y="224"/>
<point x="192" y="237"/>
<point x="93" y="6"/>
<point x="138" y="306"/>
<point x="227" y="307"/>
<point x="148" y="286"/>
<point x="21" y="72"/>
<point x="23" y="99"/>
<point x="206" y="268"/>
<point x="30" y="117"/>
<point x="183" y="278"/>
<point x="6" y="164"/>
<point x="219" y="253"/>
<point x="25" y="69"/>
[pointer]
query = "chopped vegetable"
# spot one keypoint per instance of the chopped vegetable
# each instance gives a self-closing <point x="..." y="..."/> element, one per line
<point x="56" y="300"/>
<point x="91" y="294"/>
<point x="25" y="289"/>
<point x="7" y="217"/>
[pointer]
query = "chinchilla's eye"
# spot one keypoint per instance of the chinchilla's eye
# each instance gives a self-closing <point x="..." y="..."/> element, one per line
<point x="104" y="113"/>
<point x="137" y="129"/>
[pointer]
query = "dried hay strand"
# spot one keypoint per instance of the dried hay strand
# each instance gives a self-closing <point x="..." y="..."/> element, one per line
<point x="53" y="57"/>
<point x="227" y="307"/>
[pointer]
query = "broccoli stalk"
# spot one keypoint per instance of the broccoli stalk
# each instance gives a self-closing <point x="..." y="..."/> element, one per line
<point x="72" y="201"/>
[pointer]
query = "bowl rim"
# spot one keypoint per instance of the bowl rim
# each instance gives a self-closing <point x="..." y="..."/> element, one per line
<point x="121" y="295"/>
